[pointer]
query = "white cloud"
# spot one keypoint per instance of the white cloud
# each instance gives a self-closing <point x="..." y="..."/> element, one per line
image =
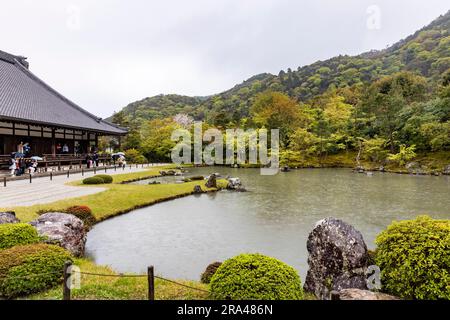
<point x="116" y="52"/>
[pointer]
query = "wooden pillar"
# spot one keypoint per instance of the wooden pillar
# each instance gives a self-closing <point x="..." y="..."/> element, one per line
<point x="96" y="142"/>
<point x="53" y="142"/>
<point x="120" y="143"/>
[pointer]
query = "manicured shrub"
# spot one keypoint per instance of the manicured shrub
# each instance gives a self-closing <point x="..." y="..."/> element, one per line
<point x="93" y="180"/>
<point x="31" y="268"/>
<point x="13" y="234"/>
<point x="84" y="213"/>
<point x="209" y="272"/>
<point x="414" y="258"/>
<point x="256" y="277"/>
<point x="106" y="178"/>
<point x="134" y="156"/>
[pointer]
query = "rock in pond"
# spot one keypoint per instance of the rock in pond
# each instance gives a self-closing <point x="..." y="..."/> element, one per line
<point x="285" y="169"/>
<point x="8" y="217"/>
<point x="446" y="170"/>
<point x="358" y="294"/>
<point x="235" y="184"/>
<point x="337" y="258"/>
<point x="211" y="183"/>
<point x="198" y="189"/>
<point x="167" y="172"/>
<point x="64" y="229"/>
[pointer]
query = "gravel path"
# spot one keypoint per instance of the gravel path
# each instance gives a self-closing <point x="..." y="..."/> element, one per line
<point x="42" y="190"/>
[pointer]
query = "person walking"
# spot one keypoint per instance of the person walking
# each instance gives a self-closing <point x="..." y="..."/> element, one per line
<point x="12" y="164"/>
<point x="96" y="161"/>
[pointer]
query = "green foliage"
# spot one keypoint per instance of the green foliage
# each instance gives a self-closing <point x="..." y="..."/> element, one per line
<point x="93" y="180"/>
<point x="105" y="177"/>
<point x="84" y="213"/>
<point x="254" y="277"/>
<point x="13" y="234"/>
<point x="209" y="272"/>
<point x="404" y="155"/>
<point x="400" y="95"/>
<point x="135" y="156"/>
<point x="30" y="268"/>
<point x="374" y="149"/>
<point x="414" y="258"/>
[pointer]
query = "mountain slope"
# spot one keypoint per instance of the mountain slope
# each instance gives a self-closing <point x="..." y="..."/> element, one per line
<point x="426" y="52"/>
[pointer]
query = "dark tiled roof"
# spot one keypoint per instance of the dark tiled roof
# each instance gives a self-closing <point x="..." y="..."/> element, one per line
<point x="25" y="97"/>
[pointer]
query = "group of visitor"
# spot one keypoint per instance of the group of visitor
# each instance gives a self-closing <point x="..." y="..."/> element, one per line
<point x="121" y="161"/>
<point x="19" y="165"/>
<point x="92" y="159"/>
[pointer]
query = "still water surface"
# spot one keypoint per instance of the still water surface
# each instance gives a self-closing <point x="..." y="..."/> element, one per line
<point x="181" y="237"/>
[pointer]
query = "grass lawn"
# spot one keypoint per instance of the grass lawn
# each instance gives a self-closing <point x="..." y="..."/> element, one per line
<point x="118" y="198"/>
<point x="121" y="288"/>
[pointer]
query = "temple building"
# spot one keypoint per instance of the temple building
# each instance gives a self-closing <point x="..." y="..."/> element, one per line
<point x="34" y="114"/>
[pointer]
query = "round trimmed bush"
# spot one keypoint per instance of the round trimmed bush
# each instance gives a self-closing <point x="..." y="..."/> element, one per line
<point x="414" y="258"/>
<point x="31" y="268"/>
<point x="13" y="234"/>
<point x="84" y="213"/>
<point x="106" y="178"/>
<point x="256" y="277"/>
<point x="93" y="180"/>
<point x="209" y="272"/>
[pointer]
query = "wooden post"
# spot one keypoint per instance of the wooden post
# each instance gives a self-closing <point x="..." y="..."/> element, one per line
<point x="66" y="277"/>
<point x="51" y="175"/>
<point x="151" y="283"/>
<point x="68" y="173"/>
<point x="95" y="169"/>
<point x="4" y="181"/>
<point x="30" y="177"/>
<point x="82" y="172"/>
<point x="106" y="168"/>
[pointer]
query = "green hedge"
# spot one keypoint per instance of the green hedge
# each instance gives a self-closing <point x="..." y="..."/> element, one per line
<point x="414" y="258"/>
<point x="106" y="178"/>
<point x="13" y="234"/>
<point x="31" y="268"/>
<point x="84" y="213"/>
<point x="256" y="277"/>
<point x="98" y="179"/>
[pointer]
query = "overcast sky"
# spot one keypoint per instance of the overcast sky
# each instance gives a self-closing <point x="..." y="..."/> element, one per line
<point x="104" y="54"/>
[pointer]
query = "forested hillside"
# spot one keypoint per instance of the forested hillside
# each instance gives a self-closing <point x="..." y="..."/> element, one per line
<point x="387" y="103"/>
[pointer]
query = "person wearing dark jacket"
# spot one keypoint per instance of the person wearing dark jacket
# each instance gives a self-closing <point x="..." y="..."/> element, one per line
<point x="95" y="158"/>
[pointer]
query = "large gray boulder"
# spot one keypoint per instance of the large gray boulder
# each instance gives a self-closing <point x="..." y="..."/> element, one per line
<point x="211" y="183"/>
<point x="8" y="217"/>
<point x="414" y="167"/>
<point x="63" y="229"/>
<point x="358" y="294"/>
<point x="337" y="258"/>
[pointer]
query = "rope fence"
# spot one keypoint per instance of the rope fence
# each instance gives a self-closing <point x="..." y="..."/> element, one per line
<point x="68" y="272"/>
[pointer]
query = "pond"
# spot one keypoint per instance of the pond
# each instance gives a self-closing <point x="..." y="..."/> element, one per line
<point x="181" y="237"/>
